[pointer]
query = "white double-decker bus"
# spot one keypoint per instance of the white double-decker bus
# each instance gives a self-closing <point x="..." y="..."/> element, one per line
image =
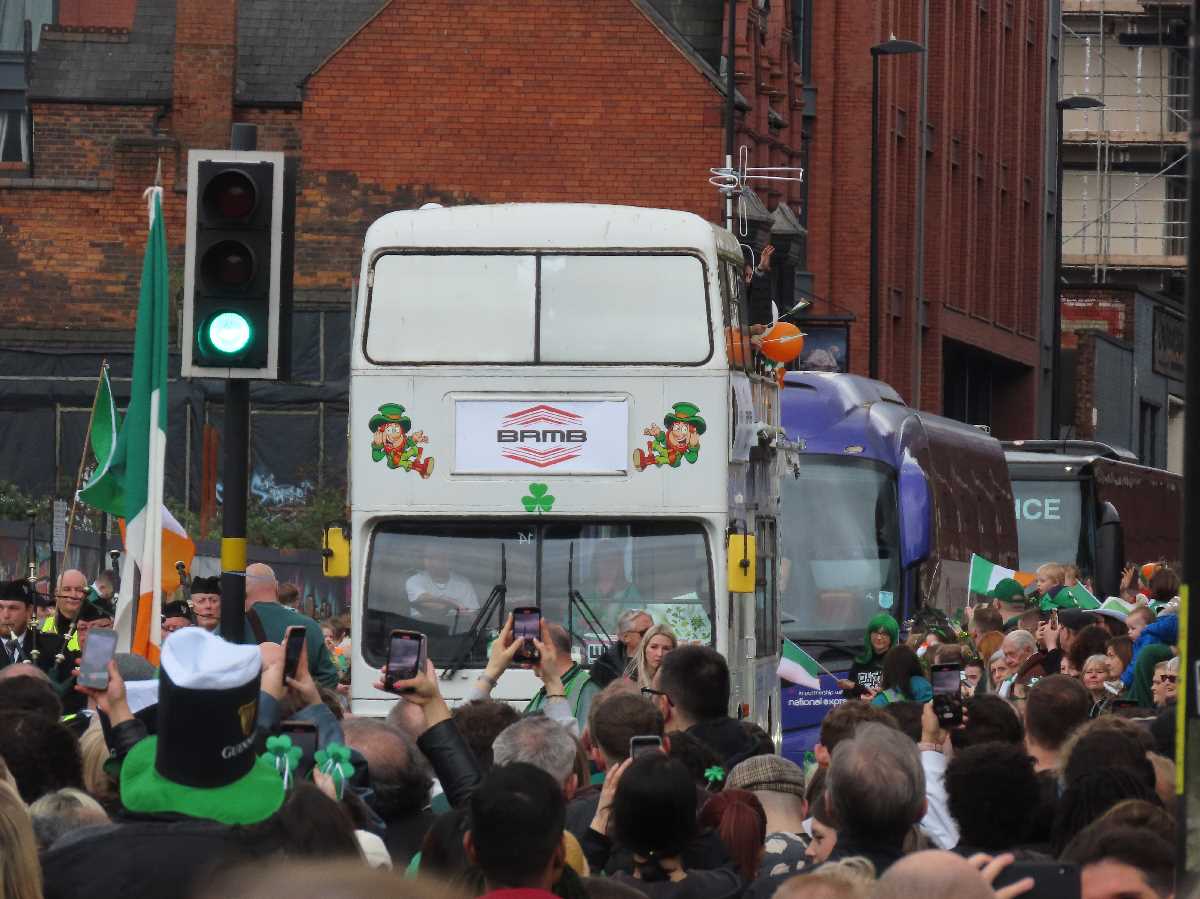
<point x="554" y="405"/>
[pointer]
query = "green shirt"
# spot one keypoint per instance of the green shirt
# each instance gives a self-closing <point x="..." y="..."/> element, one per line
<point x="276" y="619"/>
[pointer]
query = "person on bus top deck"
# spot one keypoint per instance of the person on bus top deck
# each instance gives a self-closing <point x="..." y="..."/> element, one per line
<point x="883" y="632"/>
<point x="436" y="590"/>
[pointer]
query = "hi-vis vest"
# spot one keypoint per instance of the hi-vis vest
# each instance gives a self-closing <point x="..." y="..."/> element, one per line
<point x="50" y="626"/>
<point x="573" y="683"/>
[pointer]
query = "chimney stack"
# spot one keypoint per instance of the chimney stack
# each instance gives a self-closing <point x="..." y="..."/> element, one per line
<point x="205" y="64"/>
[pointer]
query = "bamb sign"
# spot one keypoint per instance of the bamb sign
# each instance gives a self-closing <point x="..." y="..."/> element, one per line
<point x="576" y="437"/>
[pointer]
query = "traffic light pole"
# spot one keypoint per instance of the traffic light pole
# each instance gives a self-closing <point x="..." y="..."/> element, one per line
<point x="1187" y="722"/>
<point x="235" y="476"/>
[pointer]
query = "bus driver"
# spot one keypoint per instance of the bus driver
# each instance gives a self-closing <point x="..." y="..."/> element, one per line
<point x="436" y="591"/>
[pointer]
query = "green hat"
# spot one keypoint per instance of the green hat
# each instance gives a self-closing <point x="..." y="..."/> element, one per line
<point x="1008" y="590"/>
<point x="201" y="761"/>
<point x="390" y="412"/>
<point x="688" y="413"/>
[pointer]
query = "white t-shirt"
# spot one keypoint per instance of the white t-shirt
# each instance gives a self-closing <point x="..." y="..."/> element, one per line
<point x="457" y="589"/>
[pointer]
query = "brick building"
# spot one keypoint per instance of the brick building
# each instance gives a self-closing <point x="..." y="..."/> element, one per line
<point x="387" y="105"/>
<point x="963" y="198"/>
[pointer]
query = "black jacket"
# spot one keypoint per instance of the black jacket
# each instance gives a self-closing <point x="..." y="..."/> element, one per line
<point x="610" y="666"/>
<point x="452" y="760"/>
<point x="704" y="852"/>
<point x="727" y="737"/>
<point x="46" y="645"/>
<point x="153" y="857"/>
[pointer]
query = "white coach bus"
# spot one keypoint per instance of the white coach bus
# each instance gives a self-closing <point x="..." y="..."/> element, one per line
<point x="554" y="405"/>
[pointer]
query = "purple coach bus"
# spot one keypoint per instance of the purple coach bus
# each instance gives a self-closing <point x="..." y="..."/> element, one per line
<point x="882" y="507"/>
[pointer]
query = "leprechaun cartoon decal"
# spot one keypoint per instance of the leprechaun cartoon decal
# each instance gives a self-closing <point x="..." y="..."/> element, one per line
<point x="395" y="441"/>
<point x="680" y="440"/>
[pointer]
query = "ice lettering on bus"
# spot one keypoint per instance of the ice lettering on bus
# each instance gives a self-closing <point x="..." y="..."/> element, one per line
<point x="1039" y="509"/>
<point x="679" y="441"/>
<point x="393" y="440"/>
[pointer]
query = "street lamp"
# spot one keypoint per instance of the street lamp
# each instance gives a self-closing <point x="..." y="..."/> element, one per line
<point x="891" y="47"/>
<point x="1061" y="106"/>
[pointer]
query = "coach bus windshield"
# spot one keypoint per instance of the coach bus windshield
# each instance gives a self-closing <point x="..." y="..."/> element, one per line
<point x="437" y="576"/>
<point x="840" y="544"/>
<point x="540" y="308"/>
<point x="1050" y="523"/>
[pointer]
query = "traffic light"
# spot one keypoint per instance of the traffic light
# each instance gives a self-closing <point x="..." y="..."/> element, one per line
<point x="237" y="270"/>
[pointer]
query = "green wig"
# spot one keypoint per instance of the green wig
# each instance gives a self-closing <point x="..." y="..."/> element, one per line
<point x="881" y="622"/>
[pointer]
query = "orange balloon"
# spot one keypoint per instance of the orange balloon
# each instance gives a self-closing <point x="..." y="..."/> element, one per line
<point x="783" y="343"/>
<point x="1148" y="571"/>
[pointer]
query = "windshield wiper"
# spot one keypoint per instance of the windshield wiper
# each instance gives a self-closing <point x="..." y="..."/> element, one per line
<point x="575" y="598"/>
<point x="494" y="601"/>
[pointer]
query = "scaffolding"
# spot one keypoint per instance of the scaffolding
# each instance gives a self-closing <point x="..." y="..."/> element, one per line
<point x="1124" y="183"/>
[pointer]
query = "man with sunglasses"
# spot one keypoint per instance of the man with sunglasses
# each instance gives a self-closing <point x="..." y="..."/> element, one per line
<point x="631" y="627"/>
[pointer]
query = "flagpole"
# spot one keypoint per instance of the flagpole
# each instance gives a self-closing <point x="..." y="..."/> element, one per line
<point x="87" y="439"/>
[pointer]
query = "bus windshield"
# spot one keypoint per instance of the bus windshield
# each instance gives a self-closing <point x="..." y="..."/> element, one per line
<point x="436" y="576"/>
<point x="1050" y="523"/>
<point x="544" y="308"/>
<point x="840" y="545"/>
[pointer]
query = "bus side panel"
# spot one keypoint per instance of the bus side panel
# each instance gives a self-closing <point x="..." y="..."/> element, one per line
<point x="1150" y="502"/>
<point x="973" y="511"/>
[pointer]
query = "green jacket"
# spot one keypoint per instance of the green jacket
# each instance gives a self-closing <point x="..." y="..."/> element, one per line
<point x="276" y="619"/>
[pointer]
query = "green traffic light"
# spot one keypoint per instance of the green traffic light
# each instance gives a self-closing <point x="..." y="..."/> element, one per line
<point x="229" y="333"/>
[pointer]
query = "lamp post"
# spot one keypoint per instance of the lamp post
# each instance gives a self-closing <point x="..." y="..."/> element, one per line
<point x="1061" y="106"/>
<point x="891" y="47"/>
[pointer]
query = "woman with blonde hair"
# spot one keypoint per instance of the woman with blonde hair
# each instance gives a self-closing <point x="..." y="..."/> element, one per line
<point x="20" y="871"/>
<point x="656" y="643"/>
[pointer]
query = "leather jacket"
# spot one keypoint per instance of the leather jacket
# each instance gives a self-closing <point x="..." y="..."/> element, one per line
<point x="452" y="760"/>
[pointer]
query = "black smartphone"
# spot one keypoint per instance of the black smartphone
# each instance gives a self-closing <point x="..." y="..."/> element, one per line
<point x="302" y="734"/>
<point x="947" y="694"/>
<point x="1051" y="880"/>
<point x="293" y="645"/>
<point x="406" y="657"/>
<point x="527" y="627"/>
<point x="639" y="746"/>
<point x="97" y="653"/>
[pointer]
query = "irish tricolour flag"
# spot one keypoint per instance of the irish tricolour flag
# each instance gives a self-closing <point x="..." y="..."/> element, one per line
<point x="130" y="456"/>
<point x="799" y="667"/>
<point x="985" y="575"/>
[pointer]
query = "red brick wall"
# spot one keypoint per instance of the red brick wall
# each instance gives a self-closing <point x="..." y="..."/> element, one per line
<point x="983" y="209"/>
<point x="76" y="140"/>
<point x="97" y="13"/>
<point x="528" y="100"/>
<point x="205" y="59"/>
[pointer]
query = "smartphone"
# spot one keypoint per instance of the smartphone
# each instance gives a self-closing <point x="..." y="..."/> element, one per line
<point x="97" y="653"/>
<point x="639" y="746"/>
<point x="406" y="657"/>
<point x="947" y="694"/>
<point x="1051" y="880"/>
<point x="293" y="645"/>
<point x="302" y="734"/>
<point x="527" y="627"/>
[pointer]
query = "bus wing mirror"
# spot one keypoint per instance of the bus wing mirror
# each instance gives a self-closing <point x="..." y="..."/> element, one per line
<point x="1110" y="551"/>
<point x="916" y="514"/>
<point x="741" y="556"/>
<point x="335" y="551"/>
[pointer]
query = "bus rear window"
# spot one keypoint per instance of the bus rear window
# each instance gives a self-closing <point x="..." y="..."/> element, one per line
<point x="548" y="308"/>
<point x="623" y="309"/>
<point x="452" y="309"/>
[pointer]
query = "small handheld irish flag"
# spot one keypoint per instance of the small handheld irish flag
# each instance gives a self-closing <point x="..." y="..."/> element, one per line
<point x="986" y="575"/>
<point x="799" y="667"/>
<point x="1086" y="600"/>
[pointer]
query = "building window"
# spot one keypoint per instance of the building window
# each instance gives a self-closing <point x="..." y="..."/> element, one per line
<point x="802" y="36"/>
<point x="14" y="135"/>
<point x="1148" y="434"/>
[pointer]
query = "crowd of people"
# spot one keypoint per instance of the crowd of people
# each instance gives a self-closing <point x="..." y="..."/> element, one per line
<point x="218" y="774"/>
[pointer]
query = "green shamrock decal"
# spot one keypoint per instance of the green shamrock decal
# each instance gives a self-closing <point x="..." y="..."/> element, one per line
<point x="539" y="499"/>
